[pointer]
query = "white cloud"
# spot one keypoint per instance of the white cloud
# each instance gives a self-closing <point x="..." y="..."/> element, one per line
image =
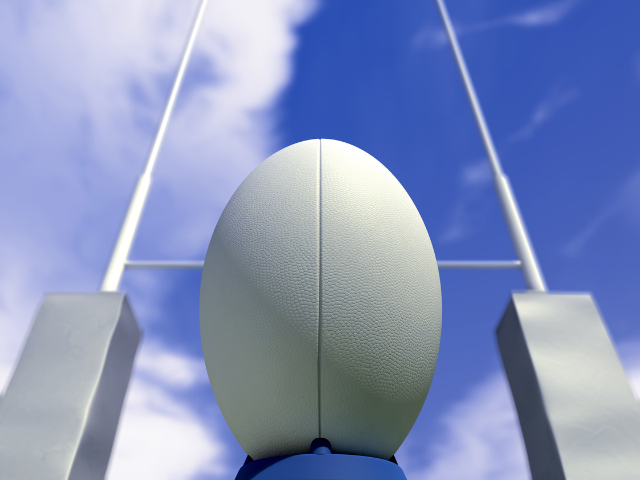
<point x="160" y="436"/>
<point x="481" y="439"/>
<point x="544" y="16"/>
<point x="82" y="87"/>
<point x="170" y="368"/>
<point x="16" y="298"/>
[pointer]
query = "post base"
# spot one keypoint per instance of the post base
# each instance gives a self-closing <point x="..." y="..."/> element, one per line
<point x="320" y="465"/>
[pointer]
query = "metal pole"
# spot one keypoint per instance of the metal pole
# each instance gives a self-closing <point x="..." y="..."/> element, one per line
<point x="121" y="250"/>
<point x="530" y="267"/>
<point x="479" y="264"/>
<point x="173" y="264"/>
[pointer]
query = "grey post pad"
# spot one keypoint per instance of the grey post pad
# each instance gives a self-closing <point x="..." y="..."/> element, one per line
<point x="60" y="412"/>
<point x="577" y="412"/>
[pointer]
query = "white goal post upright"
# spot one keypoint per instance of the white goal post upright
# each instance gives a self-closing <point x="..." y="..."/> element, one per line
<point x="530" y="267"/>
<point x="120" y="254"/>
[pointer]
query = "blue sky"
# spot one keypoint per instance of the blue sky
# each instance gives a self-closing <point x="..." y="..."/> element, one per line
<point x="82" y="86"/>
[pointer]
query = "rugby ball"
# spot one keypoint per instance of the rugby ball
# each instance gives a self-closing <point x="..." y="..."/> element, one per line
<point x="320" y="305"/>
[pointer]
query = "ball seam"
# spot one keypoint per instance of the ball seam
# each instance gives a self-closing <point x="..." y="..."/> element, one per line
<point x="319" y="286"/>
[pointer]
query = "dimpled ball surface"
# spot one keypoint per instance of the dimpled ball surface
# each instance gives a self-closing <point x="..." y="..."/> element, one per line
<point x="320" y="305"/>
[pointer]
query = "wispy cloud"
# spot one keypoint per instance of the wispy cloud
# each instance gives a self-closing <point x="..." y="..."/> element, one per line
<point x="475" y="177"/>
<point x="629" y="352"/>
<point x="545" y="111"/>
<point x="540" y="17"/>
<point x="545" y="16"/>
<point x="155" y="363"/>
<point x="160" y="435"/>
<point x="480" y="439"/>
<point x="476" y="174"/>
<point x="17" y="298"/>
<point x="430" y="36"/>
<point x="625" y="204"/>
<point x="636" y="65"/>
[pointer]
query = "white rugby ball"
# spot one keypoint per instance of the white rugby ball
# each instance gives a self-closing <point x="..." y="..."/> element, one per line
<point x="320" y="305"/>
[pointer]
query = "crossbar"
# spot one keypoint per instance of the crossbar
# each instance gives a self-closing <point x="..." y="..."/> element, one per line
<point x="452" y="264"/>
